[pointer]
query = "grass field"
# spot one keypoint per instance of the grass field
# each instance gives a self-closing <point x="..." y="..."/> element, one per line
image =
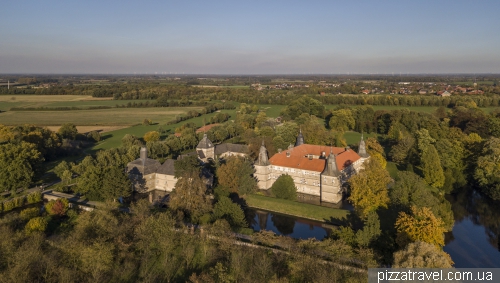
<point x="272" y="110"/>
<point x="304" y="210"/>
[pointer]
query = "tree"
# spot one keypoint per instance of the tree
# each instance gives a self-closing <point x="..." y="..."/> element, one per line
<point x="60" y="168"/>
<point x="314" y="131"/>
<point x="36" y="224"/>
<point x="130" y="140"/>
<point x="422" y="255"/>
<point x="29" y="213"/>
<point x="373" y="146"/>
<point x="68" y="131"/>
<point x="370" y="231"/>
<point x="284" y="188"/>
<point x="151" y="136"/>
<point x="487" y="171"/>
<point x="236" y="176"/>
<point x="369" y="187"/>
<point x="305" y="104"/>
<point x="18" y="163"/>
<point x="189" y="196"/>
<point x="419" y="225"/>
<point x="57" y="207"/>
<point x="230" y="211"/>
<point x="94" y="135"/>
<point x="116" y="184"/>
<point x="430" y="164"/>
<point x="410" y="189"/>
<point x="186" y="165"/>
<point x="342" y="120"/>
<point x="399" y="152"/>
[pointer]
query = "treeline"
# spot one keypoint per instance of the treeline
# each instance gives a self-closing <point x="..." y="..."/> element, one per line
<point x="210" y="108"/>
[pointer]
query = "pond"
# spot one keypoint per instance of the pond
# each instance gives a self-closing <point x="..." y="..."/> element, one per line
<point x="473" y="243"/>
<point x="294" y="227"/>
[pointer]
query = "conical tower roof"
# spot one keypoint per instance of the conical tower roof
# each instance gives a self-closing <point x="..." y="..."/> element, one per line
<point x="205" y="142"/>
<point x="263" y="159"/>
<point x="362" y="148"/>
<point x="300" y="139"/>
<point x="331" y="168"/>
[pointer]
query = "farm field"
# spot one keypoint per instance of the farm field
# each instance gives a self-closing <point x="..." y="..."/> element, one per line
<point x="97" y="117"/>
<point x="82" y="101"/>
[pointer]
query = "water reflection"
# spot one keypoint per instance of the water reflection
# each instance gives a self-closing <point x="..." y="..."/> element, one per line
<point x="475" y="237"/>
<point x="280" y="224"/>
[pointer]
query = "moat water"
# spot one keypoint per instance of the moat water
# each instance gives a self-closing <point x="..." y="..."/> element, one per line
<point x="474" y="241"/>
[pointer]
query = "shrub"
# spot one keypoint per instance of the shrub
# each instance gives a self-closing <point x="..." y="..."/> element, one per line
<point x="230" y="211"/>
<point x="36" y="224"/>
<point x="147" y="122"/>
<point x="284" y="188"/>
<point x="8" y="205"/>
<point x="29" y="213"/>
<point x="34" y="197"/>
<point x="20" y="201"/>
<point x="57" y="207"/>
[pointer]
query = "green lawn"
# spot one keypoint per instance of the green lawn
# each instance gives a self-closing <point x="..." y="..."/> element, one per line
<point x="392" y="168"/>
<point x="271" y="109"/>
<point x="304" y="210"/>
<point x="355" y="137"/>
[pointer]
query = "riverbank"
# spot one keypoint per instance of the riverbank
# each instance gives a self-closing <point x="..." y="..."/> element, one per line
<point x="303" y="210"/>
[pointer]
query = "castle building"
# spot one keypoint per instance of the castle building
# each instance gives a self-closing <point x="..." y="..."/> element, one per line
<point x="316" y="170"/>
<point x="150" y="176"/>
<point x="319" y="171"/>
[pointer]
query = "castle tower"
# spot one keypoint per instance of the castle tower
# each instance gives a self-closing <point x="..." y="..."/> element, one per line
<point x="362" y="149"/>
<point x="331" y="190"/>
<point x="205" y="148"/>
<point x="263" y="158"/>
<point x="262" y="169"/>
<point x="300" y="139"/>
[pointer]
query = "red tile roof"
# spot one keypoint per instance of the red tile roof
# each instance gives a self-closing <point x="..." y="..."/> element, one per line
<point x="206" y="128"/>
<point x="298" y="157"/>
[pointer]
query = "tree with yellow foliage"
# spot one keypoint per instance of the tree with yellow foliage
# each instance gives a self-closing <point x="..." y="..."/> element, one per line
<point x="151" y="136"/>
<point x="369" y="187"/>
<point x="420" y="225"/>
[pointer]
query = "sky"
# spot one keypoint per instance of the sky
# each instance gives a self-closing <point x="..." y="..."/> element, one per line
<point x="250" y="37"/>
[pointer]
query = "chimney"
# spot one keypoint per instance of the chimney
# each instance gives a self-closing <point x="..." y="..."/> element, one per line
<point x="288" y="154"/>
<point x="323" y="155"/>
<point x="144" y="154"/>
